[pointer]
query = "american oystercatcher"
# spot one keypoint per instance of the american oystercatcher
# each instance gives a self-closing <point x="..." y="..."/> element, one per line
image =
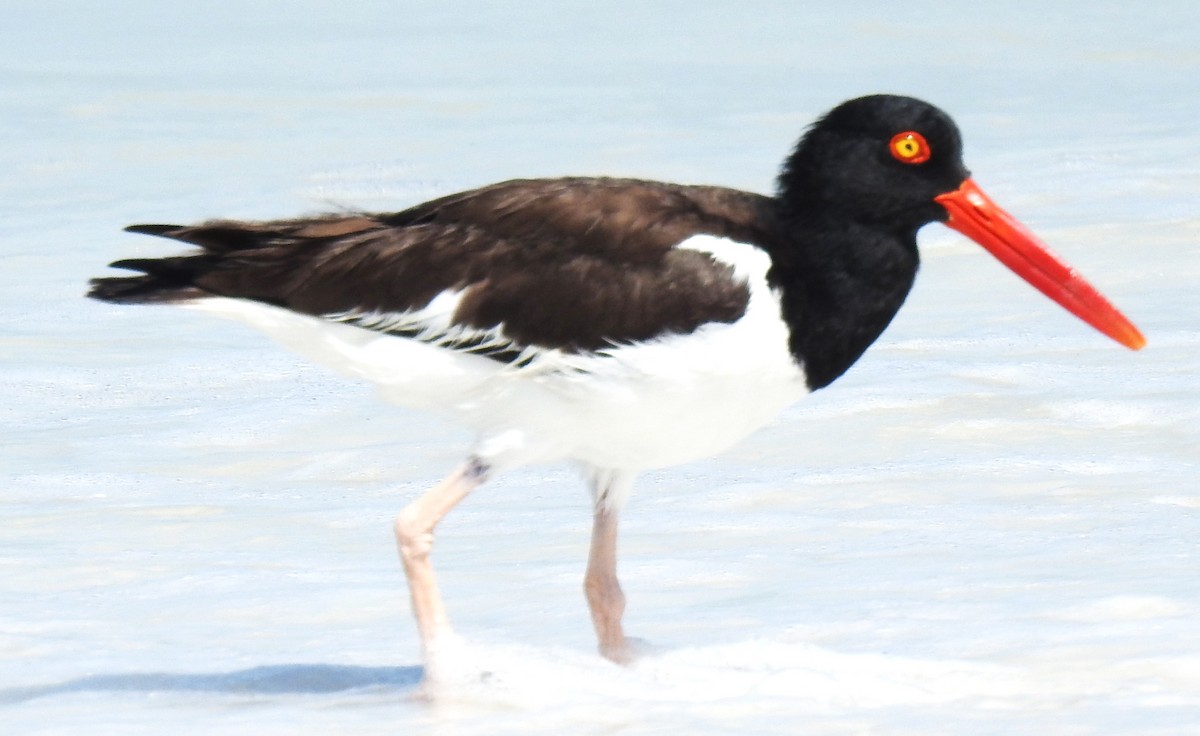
<point x="620" y="324"/>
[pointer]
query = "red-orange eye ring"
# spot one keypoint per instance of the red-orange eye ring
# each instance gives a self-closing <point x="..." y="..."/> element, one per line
<point x="910" y="147"/>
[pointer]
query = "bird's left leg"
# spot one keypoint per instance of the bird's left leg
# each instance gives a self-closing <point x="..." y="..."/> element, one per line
<point x="604" y="596"/>
<point x="414" y="536"/>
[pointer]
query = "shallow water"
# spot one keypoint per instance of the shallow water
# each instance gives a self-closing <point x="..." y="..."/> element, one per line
<point x="988" y="526"/>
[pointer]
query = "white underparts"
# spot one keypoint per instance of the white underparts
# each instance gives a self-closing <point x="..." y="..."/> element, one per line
<point x="626" y="408"/>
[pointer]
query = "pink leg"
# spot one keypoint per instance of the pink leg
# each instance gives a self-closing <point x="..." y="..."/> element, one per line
<point x="604" y="596"/>
<point x="414" y="535"/>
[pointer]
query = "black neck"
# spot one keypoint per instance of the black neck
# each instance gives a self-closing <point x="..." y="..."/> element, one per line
<point x="841" y="283"/>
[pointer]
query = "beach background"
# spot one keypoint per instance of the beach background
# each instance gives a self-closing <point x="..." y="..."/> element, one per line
<point x="990" y="525"/>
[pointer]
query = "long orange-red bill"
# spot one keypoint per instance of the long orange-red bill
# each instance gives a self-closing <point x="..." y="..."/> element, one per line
<point x="975" y="215"/>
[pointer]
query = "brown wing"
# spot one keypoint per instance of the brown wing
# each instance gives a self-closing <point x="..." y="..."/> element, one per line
<point x="576" y="264"/>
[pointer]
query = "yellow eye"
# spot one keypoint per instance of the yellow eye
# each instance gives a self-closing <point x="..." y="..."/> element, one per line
<point x="910" y="147"/>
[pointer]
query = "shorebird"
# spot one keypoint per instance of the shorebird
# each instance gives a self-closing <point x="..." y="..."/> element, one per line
<point x="616" y="323"/>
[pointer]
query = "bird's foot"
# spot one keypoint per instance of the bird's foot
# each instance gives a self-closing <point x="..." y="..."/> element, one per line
<point x="628" y="651"/>
<point x="443" y="653"/>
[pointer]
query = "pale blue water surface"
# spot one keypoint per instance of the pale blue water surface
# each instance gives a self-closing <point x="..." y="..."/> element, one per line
<point x="989" y="526"/>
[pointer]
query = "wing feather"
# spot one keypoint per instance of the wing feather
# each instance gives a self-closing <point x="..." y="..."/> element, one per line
<point x="569" y="264"/>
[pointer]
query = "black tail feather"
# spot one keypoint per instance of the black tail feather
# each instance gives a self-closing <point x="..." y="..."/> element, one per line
<point x="163" y="280"/>
<point x="143" y="289"/>
<point x="160" y="230"/>
<point x="214" y="236"/>
<point x="223" y="242"/>
<point x="182" y="269"/>
<point x="173" y="279"/>
<point x="226" y="236"/>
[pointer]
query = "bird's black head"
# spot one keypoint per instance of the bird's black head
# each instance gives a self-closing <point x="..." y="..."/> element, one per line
<point x="877" y="160"/>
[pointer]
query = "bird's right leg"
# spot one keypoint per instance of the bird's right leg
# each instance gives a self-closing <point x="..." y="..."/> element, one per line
<point x="605" y="599"/>
<point x="414" y="535"/>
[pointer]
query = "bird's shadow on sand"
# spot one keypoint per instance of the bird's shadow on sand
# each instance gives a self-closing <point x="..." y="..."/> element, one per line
<point x="280" y="679"/>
